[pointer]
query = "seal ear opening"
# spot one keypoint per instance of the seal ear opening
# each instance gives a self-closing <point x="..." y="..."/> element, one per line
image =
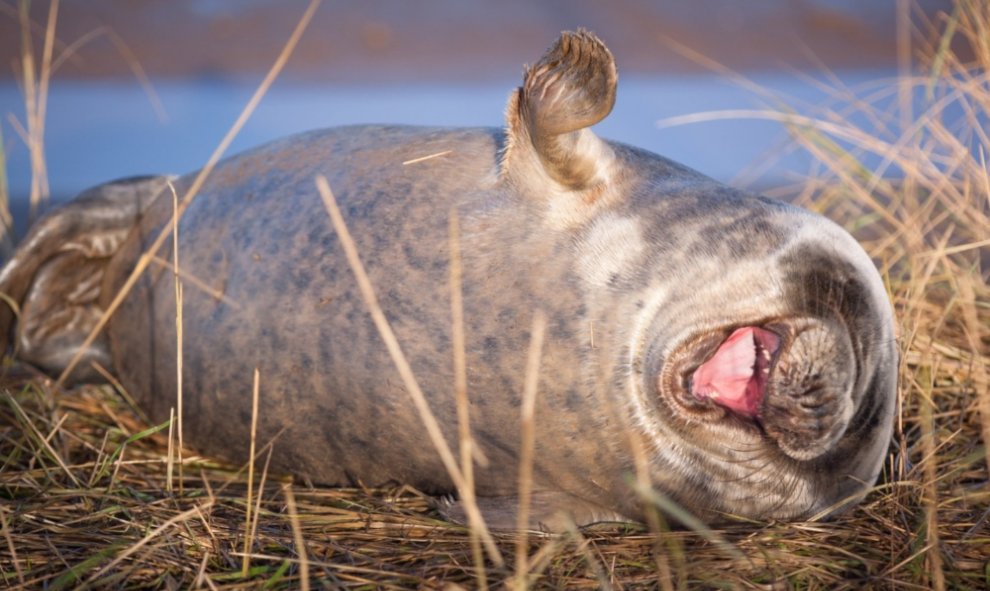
<point x="571" y="88"/>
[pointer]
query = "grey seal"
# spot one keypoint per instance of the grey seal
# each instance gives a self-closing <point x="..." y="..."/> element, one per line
<point x="744" y="345"/>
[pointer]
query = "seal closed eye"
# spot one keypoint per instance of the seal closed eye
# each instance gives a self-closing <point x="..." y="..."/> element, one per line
<point x="757" y="372"/>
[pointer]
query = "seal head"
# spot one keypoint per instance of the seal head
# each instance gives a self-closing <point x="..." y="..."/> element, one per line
<point x="754" y="339"/>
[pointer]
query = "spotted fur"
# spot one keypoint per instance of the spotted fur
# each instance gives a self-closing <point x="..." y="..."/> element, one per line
<point x="641" y="265"/>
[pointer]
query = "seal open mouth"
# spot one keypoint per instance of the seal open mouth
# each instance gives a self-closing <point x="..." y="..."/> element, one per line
<point x="736" y="375"/>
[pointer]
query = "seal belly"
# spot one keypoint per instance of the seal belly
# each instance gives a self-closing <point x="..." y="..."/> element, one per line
<point x="266" y="286"/>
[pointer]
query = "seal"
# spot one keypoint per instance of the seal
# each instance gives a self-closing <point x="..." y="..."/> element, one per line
<point x="740" y="347"/>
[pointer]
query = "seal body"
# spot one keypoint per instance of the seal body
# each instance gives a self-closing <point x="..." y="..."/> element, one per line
<point x="661" y="290"/>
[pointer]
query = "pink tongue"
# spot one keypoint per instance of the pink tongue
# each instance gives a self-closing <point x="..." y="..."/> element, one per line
<point x="734" y="377"/>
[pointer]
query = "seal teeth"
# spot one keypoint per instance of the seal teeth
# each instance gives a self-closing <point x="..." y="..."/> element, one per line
<point x="737" y="374"/>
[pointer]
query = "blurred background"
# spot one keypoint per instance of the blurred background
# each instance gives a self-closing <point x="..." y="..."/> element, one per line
<point x="152" y="86"/>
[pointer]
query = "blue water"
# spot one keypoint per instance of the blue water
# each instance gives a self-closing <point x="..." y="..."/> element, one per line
<point x="101" y="131"/>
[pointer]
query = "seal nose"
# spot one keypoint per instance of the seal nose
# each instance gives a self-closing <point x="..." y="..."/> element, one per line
<point x="736" y="375"/>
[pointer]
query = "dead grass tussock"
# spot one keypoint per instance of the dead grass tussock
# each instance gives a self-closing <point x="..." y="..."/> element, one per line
<point x="84" y="498"/>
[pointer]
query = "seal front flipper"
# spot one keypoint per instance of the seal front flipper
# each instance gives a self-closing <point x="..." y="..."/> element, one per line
<point x="548" y="511"/>
<point x="571" y="88"/>
<point x="56" y="275"/>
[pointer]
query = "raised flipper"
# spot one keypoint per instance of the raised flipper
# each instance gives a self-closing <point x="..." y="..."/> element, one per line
<point x="548" y="511"/>
<point x="571" y="88"/>
<point x="55" y="276"/>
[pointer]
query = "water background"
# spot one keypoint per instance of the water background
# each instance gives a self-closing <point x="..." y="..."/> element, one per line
<point x="102" y="130"/>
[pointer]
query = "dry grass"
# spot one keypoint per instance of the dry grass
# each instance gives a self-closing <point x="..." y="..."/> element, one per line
<point x="85" y="491"/>
<point x="62" y="533"/>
